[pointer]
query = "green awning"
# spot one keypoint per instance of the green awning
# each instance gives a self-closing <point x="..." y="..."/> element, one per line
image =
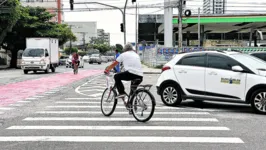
<point x="249" y="19"/>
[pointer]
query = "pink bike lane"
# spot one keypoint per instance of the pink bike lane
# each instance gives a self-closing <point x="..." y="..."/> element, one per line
<point x="11" y="93"/>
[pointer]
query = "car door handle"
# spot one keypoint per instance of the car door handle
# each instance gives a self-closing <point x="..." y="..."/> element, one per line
<point x="212" y="73"/>
<point x="182" y="71"/>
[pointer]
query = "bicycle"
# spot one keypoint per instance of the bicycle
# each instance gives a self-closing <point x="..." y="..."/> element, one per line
<point x="132" y="100"/>
<point x="75" y="68"/>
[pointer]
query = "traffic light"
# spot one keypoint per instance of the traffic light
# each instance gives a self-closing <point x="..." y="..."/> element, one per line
<point x="71" y="4"/>
<point x="133" y="1"/>
<point x="122" y="27"/>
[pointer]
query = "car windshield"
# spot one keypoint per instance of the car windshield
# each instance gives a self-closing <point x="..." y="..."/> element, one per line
<point x="33" y="52"/>
<point x="250" y="61"/>
<point x="63" y="57"/>
<point x="95" y="55"/>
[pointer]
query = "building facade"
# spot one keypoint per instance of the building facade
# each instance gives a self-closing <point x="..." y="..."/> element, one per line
<point x="84" y="31"/>
<point x="52" y="6"/>
<point x="103" y="35"/>
<point x="214" y="6"/>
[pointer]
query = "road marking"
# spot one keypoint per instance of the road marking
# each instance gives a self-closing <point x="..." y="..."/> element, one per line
<point x="31" y="98"/>
<point x="205" y="128"/>
<point x="97" y="106"/>
<point x="55" y="90"/>
<point x="2" y="112"/>
<point x="16" y="105"/>
<point x="23" y="101"/>
<point x="115" y="119"/>
<point x="83" y="98"/>
<point x="6" y="108"/>
<point x="50" y="92"/>
<point x="39" y="96"/>
<point x="96" y="94"/>
<point x="92" y="90"/>
<point x="77" y="102"/>
<point x="120" y="112"/>
<point x="135" y="139"/>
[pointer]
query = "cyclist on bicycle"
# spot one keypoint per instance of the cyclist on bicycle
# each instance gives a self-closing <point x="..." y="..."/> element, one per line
<point x="75" y="59"/>
<point x="132" y="66"/>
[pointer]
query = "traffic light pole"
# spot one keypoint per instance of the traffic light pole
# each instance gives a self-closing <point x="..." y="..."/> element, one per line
<point x="180" y="32"/>
<point x="123" y="13"/>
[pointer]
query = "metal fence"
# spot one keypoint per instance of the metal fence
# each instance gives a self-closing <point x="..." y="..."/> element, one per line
<point x="156" y="55"/>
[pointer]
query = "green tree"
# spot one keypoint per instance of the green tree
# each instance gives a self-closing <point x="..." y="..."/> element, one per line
<point x="69" y="50"/>
<point x="34" y="22"/>
<point x="103" y="48"/>
<point x="97" y="40"/>
<point x="9" y="14"/>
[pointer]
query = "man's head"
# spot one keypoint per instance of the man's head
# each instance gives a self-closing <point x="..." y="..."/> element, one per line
<point x="128" y="47"/>
<point x="116" y="51"/>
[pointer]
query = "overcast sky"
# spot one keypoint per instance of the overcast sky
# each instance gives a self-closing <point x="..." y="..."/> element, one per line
<point x="110" y="20"/>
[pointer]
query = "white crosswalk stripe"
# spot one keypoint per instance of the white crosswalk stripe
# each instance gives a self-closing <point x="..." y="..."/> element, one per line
<point x="84" y="122"/>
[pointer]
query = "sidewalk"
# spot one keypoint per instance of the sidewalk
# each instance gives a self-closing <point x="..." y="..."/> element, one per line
<point x="147" y="70"/>
<point x="4" y="67"/>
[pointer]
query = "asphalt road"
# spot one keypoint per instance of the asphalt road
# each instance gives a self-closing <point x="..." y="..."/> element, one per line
<point x="68" y="116"/>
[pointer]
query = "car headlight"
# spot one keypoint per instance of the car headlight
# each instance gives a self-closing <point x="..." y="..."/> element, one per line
<point x="42" y="62"/>
<point x="22" y="62"/>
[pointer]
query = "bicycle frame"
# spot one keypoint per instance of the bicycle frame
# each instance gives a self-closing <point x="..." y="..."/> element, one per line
<point x="132" y="91"/>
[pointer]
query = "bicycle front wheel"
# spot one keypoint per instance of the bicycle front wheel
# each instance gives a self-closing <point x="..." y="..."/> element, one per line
<point x="143" y="105"/>
<point x="108" y="102"/>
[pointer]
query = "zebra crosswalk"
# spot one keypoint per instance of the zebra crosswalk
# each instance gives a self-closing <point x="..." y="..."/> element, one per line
<point x="87" y="124"/>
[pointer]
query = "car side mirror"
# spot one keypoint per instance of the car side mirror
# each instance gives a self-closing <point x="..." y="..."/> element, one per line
<point x="46" y="55"/>
<point x="237" y="69"/>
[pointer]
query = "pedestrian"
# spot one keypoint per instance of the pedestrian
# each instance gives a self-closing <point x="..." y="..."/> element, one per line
<point x="117" y="67"/>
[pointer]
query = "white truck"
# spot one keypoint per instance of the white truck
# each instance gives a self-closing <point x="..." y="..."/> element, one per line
<point x="41" y="54"/>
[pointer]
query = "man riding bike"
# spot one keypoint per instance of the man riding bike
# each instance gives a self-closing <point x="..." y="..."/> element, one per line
<point x="132" y="67"/>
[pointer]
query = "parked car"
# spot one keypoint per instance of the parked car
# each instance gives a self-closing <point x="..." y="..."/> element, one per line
<point x="104" y="59"/>
<point x="62" y="60"/>
<point x="95" y="58"/>
<point x="214" y="76"/>
<point x="260" y="55"/>
<point x="69" y="62"/>
<point x="86" y="58"/>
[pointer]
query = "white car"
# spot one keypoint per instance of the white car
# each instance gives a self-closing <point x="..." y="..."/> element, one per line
<point x="214" y="76"/>
<point x="69" y="62"/>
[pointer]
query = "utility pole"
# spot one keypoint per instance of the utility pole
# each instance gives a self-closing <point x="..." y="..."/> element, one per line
<point x="84" y="40"/>
<point x="70" y="39"/>
<point x="137" y="22"/>
<point x="199" y="26"/>
<point x="180" y="32"/>
<point x="124" y="18"/>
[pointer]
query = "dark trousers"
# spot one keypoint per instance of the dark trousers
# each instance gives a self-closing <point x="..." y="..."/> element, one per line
<point x="127" y="76"/>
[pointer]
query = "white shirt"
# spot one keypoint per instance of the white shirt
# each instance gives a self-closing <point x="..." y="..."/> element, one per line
<point x="131" y="62"/>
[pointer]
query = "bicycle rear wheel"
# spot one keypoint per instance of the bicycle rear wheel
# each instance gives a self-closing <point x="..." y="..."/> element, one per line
<point x="108" y="102"/>
<point x="140" y="104"/>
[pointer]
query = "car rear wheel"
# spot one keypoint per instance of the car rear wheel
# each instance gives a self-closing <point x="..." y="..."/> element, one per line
<point x="171" y="95"/>
<point x="258" y="101"/>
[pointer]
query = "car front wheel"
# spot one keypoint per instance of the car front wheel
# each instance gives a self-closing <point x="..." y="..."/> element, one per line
<point x="171" y="95"/>
<point x="258" y="101"/>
